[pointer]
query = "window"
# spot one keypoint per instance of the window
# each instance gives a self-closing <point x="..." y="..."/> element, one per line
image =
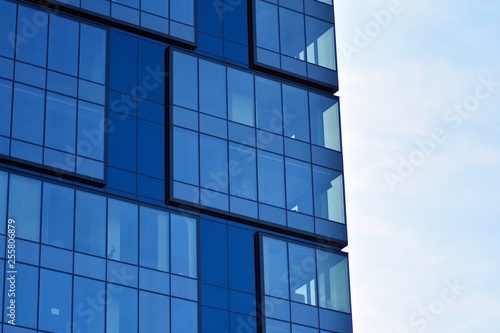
<point x="25" y="205"/>
<point x="54" y="310"/>
<point x="154" y="242"/>
<point x="122" y="231"/>
<point x="58" y="215"/>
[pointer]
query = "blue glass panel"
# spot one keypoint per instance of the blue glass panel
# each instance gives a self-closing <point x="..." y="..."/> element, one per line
<point x="27" y="122"/>
<point x="4" y="145"/>
<point x="122" y="231"/>
<point x="8" y="28"/>
<point x="154" y="281"/>
<point x="183" y="246"/>
<point x="61" y="83"/>
<point x="123" y="51"/>
<point x="26" y="296"/>
<point x="5" y="106"/>
<point x="182" y="11"/>
<point x="55" y="301"/>
<point x="243" y="171"/>
<point x="266" y="25"/>
<point x="63" y="45"/>
<point x="208" y="44"/>
<point x="304" y="314"/>
<point x="271" y="179"/>
<point x="151" y="187"/>
<point x="154" y="313"/>
<point x="91" y="92"/>
<point x="121" y="310"/>
<point x="90" y="223"/>
<point x="212" y="19"/>
<point x="151" y="143"/>
<point x="214" y="297"/>
<point x="30" y="74"/>
<point x="302" y="266"/>
<point x="325" y="126"/>
<point x="298" y="149"/>
<point x="182" y="31"/>
<point x="122" y="180"/>
<point x="93" y="53"/>
<point x="90" y="168"/>
<point x="185" y="118"/>
<point x="213" y="163"/>
<point x="154" y="239"/>
<point x="3" y="201"/>
<point x="214" y="320"/>
<point x="268" y="106"/>
<point x="213" y="253"/>
<point x="154" y="22"/>
<point x="60" y="122"/>
<point x="90" y="139"/>
<point x="32" y="36"/>
<point x="124" y="13"/>
<point x="59" y="161"/>
<point x="295" y="112"/>
<point x="333" y="281"/>
<point x="183" y="287"/>
<point x="122" y="141"/>
<point x="184" y="316"/>
<point x="130" y="3"/>
<point x="90" y="266"/>
<point x="185" y="164"/>
<point x="27" y="252"/>
<point x="6" y="68"/>
<point x="320" y="39"/>
<point x="151" y="71"/>
<point x="241" y="259"/>
<point x="240" y="88"/>
<point x="293" y="4"/>
<point x="58" y="215"/>
<point x="303" y="329"/>
<point x="120" y="273"/>
<point x="292" y="36"/>
<point x="151" y="111"/>
<point x="64" y="260"/>
<point x="275" y="267"/>
<point x="24" y="206"/>
<point x="246" y="323"/>
<point x="101" y="7"/>
<point x="26" y="151"/>
<point x="241" y="302"/>
<point x="328" y="194"/>
<point x="242" y="134"/>
<point x="213" y="126"/>
<point x="88" y="305"/>
<point x="212" y="88"/>
<point x="185" y="80"/>
<point x="276" y="326"/>
<point x="277" y="308"/>
<point x="299" y="186"/>
<point x="270" y="142"/>
<point x="158" y="7"/>
<point x="236" y="53"/>
<point x="235" y="22"/>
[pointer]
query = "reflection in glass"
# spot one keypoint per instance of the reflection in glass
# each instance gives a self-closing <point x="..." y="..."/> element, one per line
<point x="185" y="156"/>
<point x="154" y="242"/>
<point x="320" y="43"/>
<point x="212" y="88"/>
<point x="302" y="266"/>
<point x="213" y="163"/>
<point x="243" y="171"/>
<point x="84" y="318"/>
<point x="328" y="194"/>
<point x="27" y="122"/>
<point x="154" y="313"/>
<point x="90" y="225"/>
<point x="122" y="231"/>
<point x="183" y="239"/>
<point x="267" y="25"/>
<point x="325" y="126"/>
<point x="271" y="179"/>
<point x="121" y="310"/>
<point x="60" y="122"/>
<point x="54" y="310"/>
<point x="92" y="53"/>
<point x="24" y="206"/>
<point x="295" y="110"/>
<point x="275" y="266"/>
<point x="90" y="140"/>
<point x="269" y="113"/>
<point x="299" y="186"/>
<point x="63" y="35"/>
<point x="292" y="34"/>
<point x="58" y="215"/>
<point x="240" y="96"/>
<point x="333" y="281"/>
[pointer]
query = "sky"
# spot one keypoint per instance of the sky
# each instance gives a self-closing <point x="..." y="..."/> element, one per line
<point x="420" y="113"/>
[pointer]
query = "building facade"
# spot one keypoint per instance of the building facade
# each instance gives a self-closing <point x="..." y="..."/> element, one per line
<point x="171" y="166"/>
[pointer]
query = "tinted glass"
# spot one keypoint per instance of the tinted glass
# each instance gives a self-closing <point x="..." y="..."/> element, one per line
<point x="154" y="313"/>
<point x="122" y="231"/>
<point x="275" y="266"/>
<point x="55" y="301"/>
<point x="295" y="109"/>
<point x="89" y="318"/>
<point x="154" y="242"/>
<point x="26" y="295"/>
<point x="90" y="233"/>
<point x="271" y="179"/>
<point x="121" y="310"/>
<point x="267" y="25"/>
<point x="185" y="165"/>
<point x="7" y="28"/>
<point x="158" y="7"/>
<point x="27" y="122"/>
<point x="269" y="112"/>
<point x="292" y="34"/>
<point x="3" y="201"/>
<point x="243" y="171"/>
<point x="92" y="53"/>
<point x="320" y="43"/>
<point x="5" y="106"/>
<point x="63" y="45"/>
<point x="299" y="186"/>
<point x="328" y="194"/>
<point x="240" y="97"/>
<point x="302" y="263"/>
<point x="33" y="48"/>
<point x="213" y="163"/>
<point x="183" y="246"/>
<point x="90" y="140"/>
<point x="212" y="88"/>
<point x="184" y="316"/>
<point x="24" y="206"/>
<point x="58" y="215"/>
<point x="185" y="81"/>
<point x="60" y="122"/>
<point x="325" y="127"/>
<point x="333" y="281"/>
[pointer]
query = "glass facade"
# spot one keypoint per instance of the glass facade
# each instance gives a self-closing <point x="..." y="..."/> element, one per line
<point x="171" y="166"/>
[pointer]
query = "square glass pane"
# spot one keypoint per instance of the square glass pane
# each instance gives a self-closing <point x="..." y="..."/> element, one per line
<point x="24" y="206"/>
<point x="183" y="246"/>
<point x="54" y="310"/>
<point x="90" y="224"/>
<point x="122" y="231"/>
<point x="271" y="177"/>
<point x="29" y="107"/>
<point x="58" y="215"/>
<point x="240" y="97"/>
<point x="333" y="281"/>
<point x="154" y="242"/>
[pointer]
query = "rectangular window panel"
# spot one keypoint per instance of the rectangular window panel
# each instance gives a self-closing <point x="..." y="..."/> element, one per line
<point x="4" y="177"/>
<point x="302" y="266"/>
<point x="60" y="123"/>
<point x="122" y="231"/>
<point x="63" y="45"/>
<point x="24" y="206"/>
<point x="58" y="215"/>
<point x="296" y="116"/>
<point x="5" y="106"/>
<point x="26" y="296"/>
<point x="267" y="25"/>
<point x="292" y="36"/>
<point x="243" y="171"/>
<point x="88" y="318"/>
<point x="213" y="164"/>
<point x="185" y="81"/>
<point x="185" y="156"/>
<point x="121" y="309"/>
<point x="184" y="316"/>
<point x="271" y="177"/>
<point x="90" y="224"/>
<point x="333" y="282"/>
<point x="154" y="242"/>
<point x="32" y="50"/>
<point x="325" y="124"/>
<point x="299" y="186"/>
<point x="240" y="97"/>
<point x="7" y="28"/>
<point x="328" y="194"/>
<point x="212" y="88"/>
<point x="320" y="43"/>
<point x="268" y="108"/>
<point x="92" y="53"/>
<point x="54" y="309"/>
<point x="154" y="313"/>
<point x="275" y="266"/>
<point x="28" y="118"/>
<point x="90" y="137"/>
<point x="183" y="246"/>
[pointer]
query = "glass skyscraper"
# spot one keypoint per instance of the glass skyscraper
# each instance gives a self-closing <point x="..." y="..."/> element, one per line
<point x="171" y="166"/>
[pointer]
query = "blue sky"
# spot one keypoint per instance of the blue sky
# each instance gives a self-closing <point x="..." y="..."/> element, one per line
<point x="420" y="106"/>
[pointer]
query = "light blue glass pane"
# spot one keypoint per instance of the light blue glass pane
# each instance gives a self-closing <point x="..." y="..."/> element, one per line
<point x="7" y="28"/>
<point x="183" y="240"/>
<point x="320" y="43"/>
<point x="88" y="317"/>
<point x="267" y="25"/>
<point x="32" y="36"/>
<point x="275" y="267"/>
<point x="122" y="231"/>
<point x="121" y="310"/>
<point x="185" y="165"/>
<point x="5" y="106"/>
<point x="302" y="265"/>
<point x="158" y="7"/>
<point x="90" y="140"/>
<point x="292" y="37"/>
<point x="26" y="296"/>
<point x="63" y="45"/>
<point x="184" y="316"/>
<point x="55" y="301"/>
<point x="212" y="88"/>
<point x="61" y="83"/>
<point x="60" y="122"/>
<point x="6" y="68"/>
<point x="26" y="151"/>
<point x="333" y="281"/>
<point x="130" y="3"/>
<point x="184" y="287"/>
<point x="295" y="113"/>
<point x="213" y="163"/>
<point x="92" y="53"/>
<point x="154" y="22"/>
<point x="271" y="177"/>
<point x="24" y="206"/>
<point x="91" y="92"/>
<point x="29" y="74"/>
<point x="299" y="186"/>
<point x="124" y="13"/>
<point x="90" y="233"/>
<point x="185" y="80"/>
<point x="182" y="11"/>
<point x="154" y="313"/>
<point x="243" y="171"/>
<point x="90" y="168"/>
<point x="155" y="281"/>
<point x="3" y="201"/>
<point x="325" y="126"/>
<point x="58" y="215"/>
<point x="154" y="242"/>
<point x="28" y="114"/>
<point x="59" y="161"/>
<point x="328" y="194"/>
<point x="269" y="112"/>
<point x="240" y="97"/>
<point x="277" y="326"/>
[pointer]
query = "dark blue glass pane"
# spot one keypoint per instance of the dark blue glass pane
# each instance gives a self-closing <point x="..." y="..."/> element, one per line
<point x="8" y="28"/>
<point x="154" y="239"/>
<point x="90" y="140"/>
<point x="271" y="179"/>
<point x="185" y="80"/>
<point x="6" y="68"/>
<point x="122" y="231"/>
<point x="267" y="25"/>
<point x="212" y="19"/>
<point x="295" y="113"/>
<point x="269" y="112"/>
<point x="61" y="83"/>
<point x="63" y="45"/>
<point x="151" y="71"/>
<point x="122" y="180"/>
<point x="183" y="246"/>
<point x="4" y="177"/>
<point x="55" y="301"/>
<point x="292" y="36"/>
<point x="88" y="317"/>
<point x="154" y="22"/>
<point x="30" y="74"/>
<point x="91" y="92"/>
<point x="212" y="89"/>
<point x="28" y="114"/>
<point x="93" y="53"/>
<point x="303" y="329"/>
<point x="24" y="206"/>
<point x="58" y="215"/>
<point x="90" y="228"/>
<point x="299" y="186"/>
<point x="184" y="316"/>
<point x="215" y="297"/>
<point x="26" y="296"/>
<point x="122" y="141"/>
<point x="124" y="13"/>
<point x="213" y="164"/>
<point x="246" y="323"/>
<point x="151" y="143"/>
<point x="240" y="97"/>
<point x="235" y="22"/>
<point x="26" y="151"/>
<point x="151" y="111"/>
<point x="130" y="3"/>
<point x="214" y="320"/>
<point x="243" y="171"/>
<point x="123" y="70"/>
<point x="185" y="165"/>
<point x="121" y="310"/>
<point x="158" y="7"/>
<point x="182" y="11"/>
<point x="32" y="26"/>
<point x="60" y="122"/>
<point x="154" y="313"/>
<point x="241" y="260"/>
<point x="5" y="106"/>
<point x="214" y="253"/>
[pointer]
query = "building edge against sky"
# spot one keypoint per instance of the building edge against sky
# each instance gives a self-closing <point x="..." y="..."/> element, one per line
<point x="171" y="166"/>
